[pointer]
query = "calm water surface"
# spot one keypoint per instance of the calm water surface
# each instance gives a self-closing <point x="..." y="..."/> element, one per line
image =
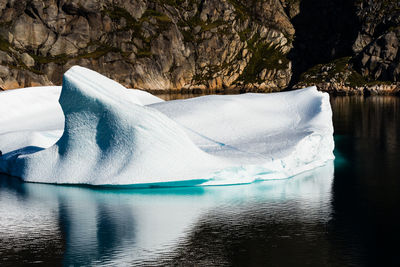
<point x="342" y="214"/>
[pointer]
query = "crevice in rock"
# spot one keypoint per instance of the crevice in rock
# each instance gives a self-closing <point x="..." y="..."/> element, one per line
<point x="30" y="14"/>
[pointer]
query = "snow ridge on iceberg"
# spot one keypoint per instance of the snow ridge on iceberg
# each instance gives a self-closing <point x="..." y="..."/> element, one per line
<point x="111" y="138"/>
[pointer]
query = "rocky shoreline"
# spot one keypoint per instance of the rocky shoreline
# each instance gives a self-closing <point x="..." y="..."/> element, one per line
<point x="367" y="90"/>
<point x="335" y="89"/>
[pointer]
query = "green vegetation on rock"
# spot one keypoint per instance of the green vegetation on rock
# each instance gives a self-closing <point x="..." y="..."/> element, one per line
<point x="149" y="13"/>
<point x="264" y="56"/>
<point x="340" y="71"/>
<point x="242" y="11"/>
<point x="116" y="13"/>
<point x="4" y="44"/>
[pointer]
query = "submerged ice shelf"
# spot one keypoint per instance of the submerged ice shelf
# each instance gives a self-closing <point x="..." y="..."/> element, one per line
<point x="100" y="133"/>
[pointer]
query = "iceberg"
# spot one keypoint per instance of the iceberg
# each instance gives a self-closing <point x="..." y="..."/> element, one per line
<point x="103" y="134"/>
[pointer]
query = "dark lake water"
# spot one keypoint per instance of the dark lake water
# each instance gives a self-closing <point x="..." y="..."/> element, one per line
<point x="342" y="214"/>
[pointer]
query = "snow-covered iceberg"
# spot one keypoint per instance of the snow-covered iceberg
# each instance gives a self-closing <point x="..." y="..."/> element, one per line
<point x="108" y="135"/>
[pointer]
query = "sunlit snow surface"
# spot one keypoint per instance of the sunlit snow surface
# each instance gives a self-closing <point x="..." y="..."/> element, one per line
<point x="100" y="133"/>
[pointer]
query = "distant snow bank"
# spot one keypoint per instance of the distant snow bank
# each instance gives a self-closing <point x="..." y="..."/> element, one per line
<point x="94" y="131"/>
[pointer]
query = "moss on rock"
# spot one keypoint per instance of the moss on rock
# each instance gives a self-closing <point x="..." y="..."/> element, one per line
<point x="264" y="56"/>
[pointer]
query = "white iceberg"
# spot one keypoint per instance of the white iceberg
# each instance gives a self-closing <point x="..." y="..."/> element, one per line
<point x="114" y="136"/>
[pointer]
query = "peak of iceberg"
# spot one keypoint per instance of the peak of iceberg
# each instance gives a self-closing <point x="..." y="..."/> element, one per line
<point x="81" y="86"/>
<point x="109" y="138"/>
<point x="114" y="136"/>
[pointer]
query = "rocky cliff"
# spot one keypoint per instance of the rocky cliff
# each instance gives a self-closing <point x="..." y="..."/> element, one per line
<point x="365" y="56"/>
<point x="258" y="45"/>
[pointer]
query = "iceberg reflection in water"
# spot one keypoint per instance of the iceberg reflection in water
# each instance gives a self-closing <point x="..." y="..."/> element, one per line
<point x="165" y="226"/>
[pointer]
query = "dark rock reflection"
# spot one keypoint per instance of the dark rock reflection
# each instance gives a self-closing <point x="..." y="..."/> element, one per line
<point x="366" y="191"/>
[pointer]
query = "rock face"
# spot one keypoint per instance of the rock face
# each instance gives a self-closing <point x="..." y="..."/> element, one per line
<point x="213" y="45"/>
<point x="366" y="58"/>
<point x="148" y="44"/>
<point x="378" y="42"/>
